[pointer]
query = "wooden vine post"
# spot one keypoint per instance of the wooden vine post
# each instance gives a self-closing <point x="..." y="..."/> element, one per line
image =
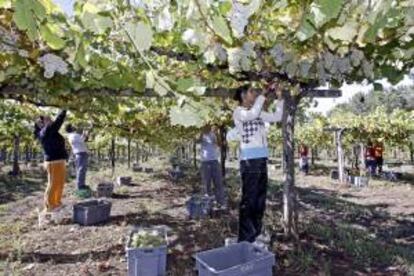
<point x="223" y="150"/>
<point x="16" y="150"/>
<point x="338" y="135"/>
<point x="129" y="152"/>
<point x="113" y="153"/>
<point x="290" y="212"/>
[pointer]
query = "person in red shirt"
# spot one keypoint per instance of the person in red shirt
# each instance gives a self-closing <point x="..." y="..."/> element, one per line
<point x="378" y="154"/>
<point x="370" y="162"/>
<point x="303" y="161"/>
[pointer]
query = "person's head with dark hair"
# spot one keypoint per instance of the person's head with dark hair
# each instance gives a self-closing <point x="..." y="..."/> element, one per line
<point x="43" y="121"/>
<point x="69" y="128"/>
<point x="245" y="95"/>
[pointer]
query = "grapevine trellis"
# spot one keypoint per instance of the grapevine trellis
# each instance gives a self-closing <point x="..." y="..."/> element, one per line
<point x="109" y="59"/>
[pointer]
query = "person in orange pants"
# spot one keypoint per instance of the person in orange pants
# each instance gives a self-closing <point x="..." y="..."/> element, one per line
<point x="55" y="155"/>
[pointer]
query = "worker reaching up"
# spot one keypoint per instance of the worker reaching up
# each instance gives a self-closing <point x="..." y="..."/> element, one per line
<point x="80" y="151"/>
<point x="55" y="155"/>
<point x="249" y="119"/>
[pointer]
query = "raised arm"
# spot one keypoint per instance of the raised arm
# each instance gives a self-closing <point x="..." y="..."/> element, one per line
<point x="275" y="116"/>
<point x="56" y="125"/>
<point x="252" y="113"/>
<point x="85" y="136"/>
<point x="36" y="131"/>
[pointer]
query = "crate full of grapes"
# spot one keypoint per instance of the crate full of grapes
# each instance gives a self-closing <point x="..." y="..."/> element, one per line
<point x="147" y="252"/>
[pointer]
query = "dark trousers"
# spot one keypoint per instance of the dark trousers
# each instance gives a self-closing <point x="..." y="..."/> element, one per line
<point x="253" y="201"/>
<point x="81" y="160"/>
<point x="380" y="163"/>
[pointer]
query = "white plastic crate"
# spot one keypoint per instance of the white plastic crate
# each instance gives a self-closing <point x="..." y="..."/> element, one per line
<point x="241" y="259"/>
<point x="123" y="180"/>
<point x="149" y="261"/>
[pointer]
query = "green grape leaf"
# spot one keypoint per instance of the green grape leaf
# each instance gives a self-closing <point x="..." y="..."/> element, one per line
<point x="305" y="31"/>
<point x="141" y="35"/>
<point x="81" y="56"/>
<point x="222" y="29"/>
<point x="185" y="116"/>
<point x="50" y="6"/>
<point x="161" y="88"/>
<point x="5" y="4"/>
<point x="323" y="11"/>
<point x="225" y="7"/>
<point x="49" y="34"/>
<point x="25" y="16"/>
<point x="347" y="32"/>
<point x="190" y="85"/>
<point x="382" y="21"/>
<point x="184" y="84"/>
<point x="153" y="81"/>
<point x="2" y="76"/>
<point x="93" y="21"/>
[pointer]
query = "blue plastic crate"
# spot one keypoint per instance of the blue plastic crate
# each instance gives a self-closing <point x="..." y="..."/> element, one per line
<point x="91" y="212"/>
<point x="241" y="259"/>
<point x="147" y="261"/>
<point x="199" y="206"/>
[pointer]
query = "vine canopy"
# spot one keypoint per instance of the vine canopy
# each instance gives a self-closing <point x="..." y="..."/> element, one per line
<point x="121" y="51"/>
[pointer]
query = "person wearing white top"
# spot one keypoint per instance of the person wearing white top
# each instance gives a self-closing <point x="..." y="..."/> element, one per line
<point x="79" y="149"/>
<point x="250" y="129"/>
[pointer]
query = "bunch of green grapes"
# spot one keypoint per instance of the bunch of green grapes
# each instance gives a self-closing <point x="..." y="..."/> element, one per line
<point x="147" y="238"/>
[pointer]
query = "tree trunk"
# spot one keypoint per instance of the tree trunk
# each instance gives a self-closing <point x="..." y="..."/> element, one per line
<point x="3" y="154"/>
<point x="16" y="150"/>
<point x="129" y="153"/>
<point x="137" y="154"/>
<point x="34" y="154"/>
<point x="290" y="215"/>
<point x="314" y="155"/>
<point x="223" y="150"/>
<point x="117" y="156"/>
<point x="362" y="157"/>
<point x="27" y="154"/>
<point x="340" y="154"/>
<point x="113" y="155"/>
<point x="195" y="154"/>
<point x="411" y="149"/>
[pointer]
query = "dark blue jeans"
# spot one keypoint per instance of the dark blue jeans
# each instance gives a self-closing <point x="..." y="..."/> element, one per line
<point x="211" y="172"/>
<point x="253" y="201"/>
<point x="81" y="161"/>
<point x="371" y="166"/>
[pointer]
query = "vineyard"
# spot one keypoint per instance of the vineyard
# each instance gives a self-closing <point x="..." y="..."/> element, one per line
<point x="146" y="82"/>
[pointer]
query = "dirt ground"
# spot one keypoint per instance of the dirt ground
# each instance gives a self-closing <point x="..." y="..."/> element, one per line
<point x="343" y="230"/>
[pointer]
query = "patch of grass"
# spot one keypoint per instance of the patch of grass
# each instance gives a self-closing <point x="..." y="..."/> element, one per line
<point x="9" y="233"/>
<point x="349" y="211"/>
<point x="301" y="260"/>
<point x="8" y="268"/>
<point x="3" y="209"/>
<point x="14" y="188"/>
<point x="364" y="249"/>
<point x="123" y="190"/>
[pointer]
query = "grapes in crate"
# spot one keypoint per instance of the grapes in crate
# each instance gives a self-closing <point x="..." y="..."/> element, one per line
<point x="147" y="238"/>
